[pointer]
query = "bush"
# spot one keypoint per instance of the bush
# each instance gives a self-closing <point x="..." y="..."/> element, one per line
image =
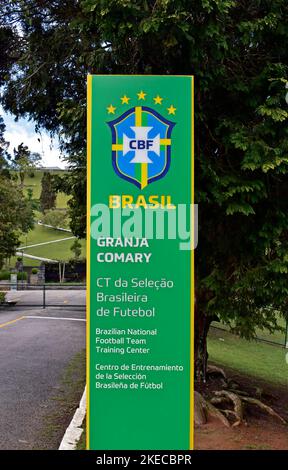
<point x="76" y="248"/>
<point x="2" y="297"/>
<point x="56" y="218"/>
<point x="4" y="276"/>
<point x="22" y="276"/>
<point x="34" y="271"/>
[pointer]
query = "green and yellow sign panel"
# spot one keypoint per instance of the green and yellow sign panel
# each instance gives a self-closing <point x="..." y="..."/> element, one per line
<point x="140" y="263"/>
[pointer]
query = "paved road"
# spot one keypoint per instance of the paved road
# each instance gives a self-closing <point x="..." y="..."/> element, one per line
<point x="35" y="347"/>
<point x="59" y="297"/>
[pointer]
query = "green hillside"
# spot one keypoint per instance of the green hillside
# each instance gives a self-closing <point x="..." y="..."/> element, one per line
<point x="42" y="234"/>
<point x="50" y="241"/>
<point x="58" y="251"/>
<point x="34" y="183"/>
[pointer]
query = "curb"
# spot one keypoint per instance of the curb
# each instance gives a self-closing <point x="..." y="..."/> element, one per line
<point x="74" y="431"/>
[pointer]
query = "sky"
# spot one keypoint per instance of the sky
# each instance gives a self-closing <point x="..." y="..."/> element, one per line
<point x="24" y="131"/>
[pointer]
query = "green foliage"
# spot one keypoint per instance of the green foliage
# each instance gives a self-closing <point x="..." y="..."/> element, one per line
<point x="55" y="218"/>
<point x="24" y="160"/>
<point x="35" y="185"/>
<point x="2" y="297"/>
<point x="76" y="249"/>
<point x="30" y="194"/>
<point x="4" y="275"/>
<point x="238" y="54"/>
<point x="16" y="217"/>
<point x="48" y="193"/>
<point x="16" y="214"/>
<point x="3" y="147"/>
<point x="22" y="276"/>
<point x="34" y="271"/>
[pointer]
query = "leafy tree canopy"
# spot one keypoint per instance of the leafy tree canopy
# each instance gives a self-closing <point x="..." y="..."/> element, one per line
<point x="237" y="51"/>
<point x="16" y="215"/>
<point x="3" y="148"/>
<point x="56" y="218"/>
<point x="24" y="160"/>
<point x="48" y="193"/>
<point x="76" y="249"/>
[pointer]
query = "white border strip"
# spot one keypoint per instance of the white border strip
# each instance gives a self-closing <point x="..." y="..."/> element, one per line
<point x="74" y="431"/>
<point x="55" y="228"/>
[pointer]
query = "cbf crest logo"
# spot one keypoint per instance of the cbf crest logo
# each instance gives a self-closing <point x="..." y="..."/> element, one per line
<point x="141" y="141"/>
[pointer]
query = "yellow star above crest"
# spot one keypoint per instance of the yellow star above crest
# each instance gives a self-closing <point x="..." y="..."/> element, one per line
<point x="111" y="109"/>
<point x="171" y="110"/>
<point x="158" y="99"/>
<point x="141" y="95"/>
<point x="125" y="99"/>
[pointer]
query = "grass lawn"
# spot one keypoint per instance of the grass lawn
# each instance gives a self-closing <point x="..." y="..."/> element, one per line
<point x="42" y="234"/>
<point x="58" y="251"/>
<point x="26" y="262"/>
<point x="253" y="358"/>
<point x="276" y="337"/>
<point x="34" y="183"/>
<point x="65" y="400"/>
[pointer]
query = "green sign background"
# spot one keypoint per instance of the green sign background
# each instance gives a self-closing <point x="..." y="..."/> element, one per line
<point x="142" y="418"/>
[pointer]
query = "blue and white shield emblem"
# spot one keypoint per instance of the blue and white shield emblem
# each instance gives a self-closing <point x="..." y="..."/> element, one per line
<point x="141" y="145"/>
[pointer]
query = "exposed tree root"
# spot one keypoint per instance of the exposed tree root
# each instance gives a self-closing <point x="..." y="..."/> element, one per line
<point x="229" y="413"/>
<point x="216" y="370"/>
<point x="213" y="411"/>
<point x="241" y="393"/>
<point x="203" y="409"/>
<point x="200" y="409"/>
<point x="231" y="395"/>
<point x="264" y="407"/>
<point x="219" y="401"/>
<point x="237" y="403"/>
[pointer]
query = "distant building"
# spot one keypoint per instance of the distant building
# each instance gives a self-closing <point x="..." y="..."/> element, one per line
<point x="50" y="168"/>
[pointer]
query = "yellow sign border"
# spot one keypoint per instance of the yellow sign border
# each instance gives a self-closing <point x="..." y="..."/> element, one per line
<point x="88" y="252"/>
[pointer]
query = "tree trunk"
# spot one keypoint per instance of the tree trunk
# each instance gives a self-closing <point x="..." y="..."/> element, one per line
<point x="202" y="324"/>
<point x="22" y="176"/>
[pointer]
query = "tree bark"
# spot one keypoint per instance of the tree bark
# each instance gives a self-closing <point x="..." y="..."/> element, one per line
<point x="22" y="176"/>
<point x="202" y="324"/>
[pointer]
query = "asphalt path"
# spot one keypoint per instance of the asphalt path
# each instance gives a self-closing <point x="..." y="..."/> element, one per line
<point x="36" y="345"/>
<point x="53" y="297"/>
